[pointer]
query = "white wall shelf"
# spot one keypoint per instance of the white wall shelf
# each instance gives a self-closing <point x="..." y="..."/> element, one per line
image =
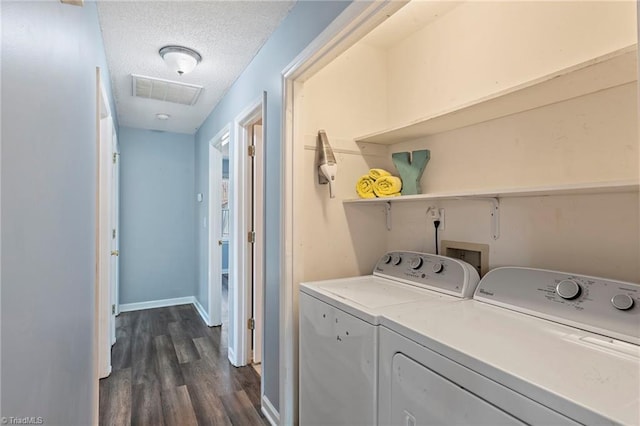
<point x="494" y="196"/>
<point x="613" y="69"/>
<point x="570" y="189"/>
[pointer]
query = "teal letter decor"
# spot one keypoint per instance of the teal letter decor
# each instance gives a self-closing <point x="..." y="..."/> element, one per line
<point x="411" y="168"/>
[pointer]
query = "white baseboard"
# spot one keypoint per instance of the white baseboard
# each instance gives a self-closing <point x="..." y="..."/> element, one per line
<point x="128" y="307"/>
<point x="202" y="312"/>
<point x="270" y="412"/>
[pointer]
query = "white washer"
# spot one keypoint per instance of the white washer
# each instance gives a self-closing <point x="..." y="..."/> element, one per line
<point x="339" y="330"/>
<point x="533" y="347"/>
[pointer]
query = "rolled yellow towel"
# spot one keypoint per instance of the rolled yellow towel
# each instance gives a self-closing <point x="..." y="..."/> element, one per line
<point x="376" y="174"/>
<point x="387" y="186"/>
<point x="364" y="187"/>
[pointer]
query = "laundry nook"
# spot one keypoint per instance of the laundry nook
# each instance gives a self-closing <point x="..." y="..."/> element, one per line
<point x="508" y="130"/>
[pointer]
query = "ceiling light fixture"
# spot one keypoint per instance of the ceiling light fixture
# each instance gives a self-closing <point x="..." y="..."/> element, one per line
<point x="162" y="116"/>
<point x="180" y="59"/>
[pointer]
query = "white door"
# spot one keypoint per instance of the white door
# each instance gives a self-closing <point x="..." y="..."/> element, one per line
<point x="115" y="233"/>
<point x="215" y="233"/>
<point x="258" y="227"/>
<point x="106" y="320"/>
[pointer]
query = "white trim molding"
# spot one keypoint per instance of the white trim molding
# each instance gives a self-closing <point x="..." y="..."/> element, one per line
<point x="163" y="303"/>
<point x="270" y="412"/>
<point x="202" y="312"/>
<point x="128" y="307"/>
<point x="349" y="27"/>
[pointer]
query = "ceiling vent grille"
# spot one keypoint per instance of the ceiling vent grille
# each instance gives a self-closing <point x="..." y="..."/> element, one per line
<point x="165" y="90"/>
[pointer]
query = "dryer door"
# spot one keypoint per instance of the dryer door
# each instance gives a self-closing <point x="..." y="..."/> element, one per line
<point x="419" y="396"/>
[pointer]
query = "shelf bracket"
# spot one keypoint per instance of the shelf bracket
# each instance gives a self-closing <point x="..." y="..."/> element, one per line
<point x="387" y="212"/>
<point x="494" y="214"/>
<point x="495" y="217"/>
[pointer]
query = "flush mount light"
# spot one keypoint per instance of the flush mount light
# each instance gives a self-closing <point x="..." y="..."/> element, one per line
<point x="162" y="116"/>
<point x="180" y="59"/>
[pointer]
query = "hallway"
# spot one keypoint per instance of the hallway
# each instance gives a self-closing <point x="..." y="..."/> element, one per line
<point x="170" y="368"/>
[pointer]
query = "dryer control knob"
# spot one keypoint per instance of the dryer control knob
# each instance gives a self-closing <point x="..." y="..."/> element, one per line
<point x="622" y="302"/>
<point x="416" y="262"/>
<point x="386" y="258"/>
<point x="438" y="267"/>
<point x="568" y="289"/>
<point x="396" y="259"/>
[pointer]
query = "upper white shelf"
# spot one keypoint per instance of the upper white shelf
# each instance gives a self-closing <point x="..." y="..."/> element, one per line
<point x="610" y="70"/>
<point x="627" y="186"/>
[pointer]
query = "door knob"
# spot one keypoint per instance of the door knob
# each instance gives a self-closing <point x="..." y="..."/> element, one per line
<point x="115" y="252"/>
<point x="219" y="242"/>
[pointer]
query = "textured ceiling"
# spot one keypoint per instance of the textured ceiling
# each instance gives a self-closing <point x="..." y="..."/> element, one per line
<point x="227" y="34"/>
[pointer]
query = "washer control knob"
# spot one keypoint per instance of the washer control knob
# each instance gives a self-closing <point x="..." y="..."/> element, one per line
<point x="622" y="302"/>
<point x="386" y="258"/>
<point x="438" y="267"/>
<point x="416" y="262"/>
<point x="568" y="289"/>
<point x="396" y="259"/>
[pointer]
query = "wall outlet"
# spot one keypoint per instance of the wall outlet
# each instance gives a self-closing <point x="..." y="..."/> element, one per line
<point x="434" y="213"/>
<point x="477" y="255"/>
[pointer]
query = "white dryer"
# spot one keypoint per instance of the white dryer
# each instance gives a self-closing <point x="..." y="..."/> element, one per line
<point x="532" y="347"/>
<point x="339" y="330"/>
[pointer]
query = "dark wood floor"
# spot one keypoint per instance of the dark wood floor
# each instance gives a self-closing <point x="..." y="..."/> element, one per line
<point x="169" y="369"/>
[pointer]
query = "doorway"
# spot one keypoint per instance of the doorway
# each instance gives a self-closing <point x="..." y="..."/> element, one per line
<point x="219" y="236"/>
<point x="107" y="231"/>
<point x="246" y="226"/>
<point x="236" y="224"/>
<point x="257" y="258"/>
<point x="357" y="19"/>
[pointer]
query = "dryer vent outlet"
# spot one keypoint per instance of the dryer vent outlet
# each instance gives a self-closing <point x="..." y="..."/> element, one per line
<point x="477" y="255"/>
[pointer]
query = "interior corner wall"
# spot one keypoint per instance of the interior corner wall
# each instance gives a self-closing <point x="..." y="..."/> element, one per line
<point x="157" y="215"/>
<point x="306" y="20"/>
<point x="50" y="52"/>
<point x="347" y="98"/>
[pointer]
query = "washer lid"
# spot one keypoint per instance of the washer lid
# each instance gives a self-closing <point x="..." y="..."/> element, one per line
<point x="365" y="296"/>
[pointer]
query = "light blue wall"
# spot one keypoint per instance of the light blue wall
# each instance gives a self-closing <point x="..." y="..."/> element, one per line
<point x="157" y="215"/>
<point x="306" y="20"/>
<point x="48" y="196"/>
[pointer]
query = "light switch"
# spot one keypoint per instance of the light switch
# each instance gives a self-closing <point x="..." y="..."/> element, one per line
<point x="199" y="197"/>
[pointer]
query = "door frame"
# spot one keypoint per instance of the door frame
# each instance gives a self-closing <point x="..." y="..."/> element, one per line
<point x="240" y="310"/>
<point x="214" y="259"/>
<point x="115" y="226"/>
<point x="349" y="27"/>
<point x="258" y="288"/>
<point x="104" y="294"/>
